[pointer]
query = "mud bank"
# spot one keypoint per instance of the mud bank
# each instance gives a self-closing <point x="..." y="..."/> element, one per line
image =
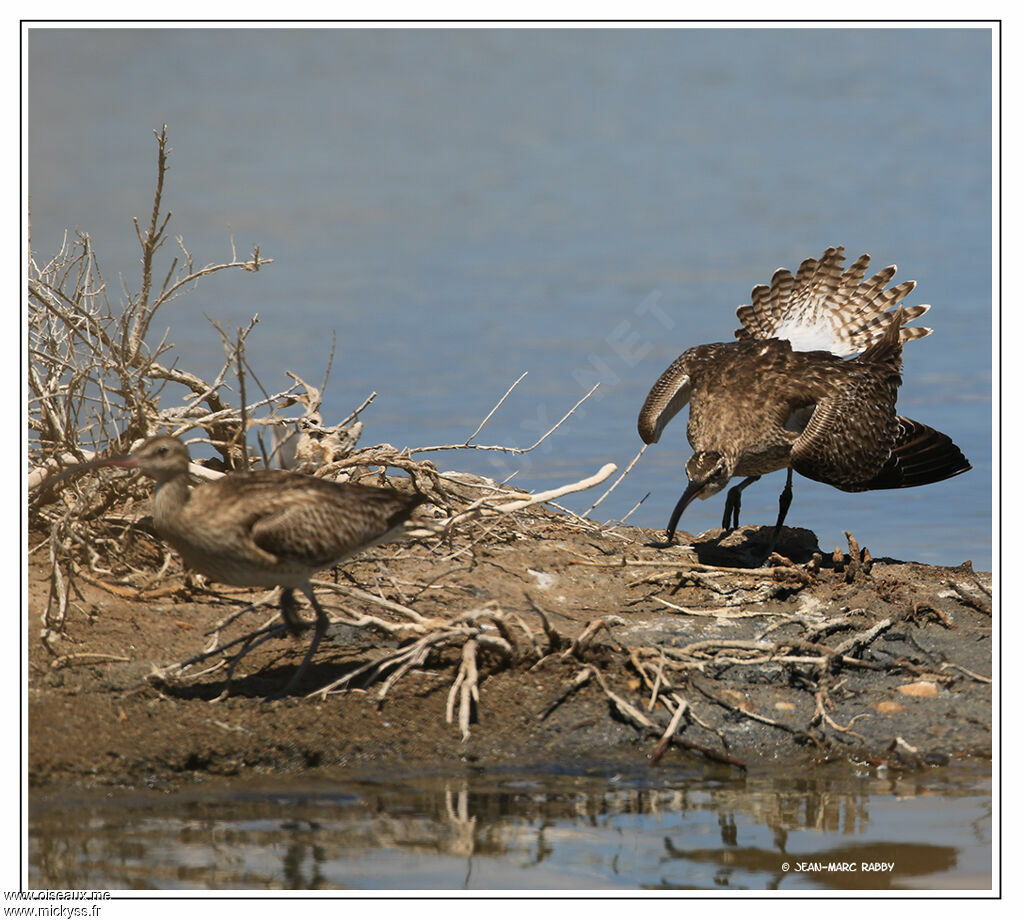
<point x="587" y="647"/>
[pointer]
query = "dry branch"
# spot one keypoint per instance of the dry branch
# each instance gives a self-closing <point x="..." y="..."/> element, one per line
<point x="466" y="684"/>
<point x="617" y="481"/>
<point x="505" y="449"/>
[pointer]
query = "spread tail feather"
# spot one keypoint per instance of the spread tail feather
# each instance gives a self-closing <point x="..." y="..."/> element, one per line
<point x="823" y="307"/>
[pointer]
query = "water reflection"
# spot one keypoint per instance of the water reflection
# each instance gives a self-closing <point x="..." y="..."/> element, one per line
<point x="537" y="832"/>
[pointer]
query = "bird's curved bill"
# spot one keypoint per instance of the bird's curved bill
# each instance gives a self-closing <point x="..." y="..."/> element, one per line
<point x="693" y="488"/>
<point x="115" y="461"/>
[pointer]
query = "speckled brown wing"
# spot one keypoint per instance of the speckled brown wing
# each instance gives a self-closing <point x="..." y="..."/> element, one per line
<point x="318" y="522"/>
<point x="849" y="436"/>
<point x="854" y="427"/>
<point x="671" y="392"/>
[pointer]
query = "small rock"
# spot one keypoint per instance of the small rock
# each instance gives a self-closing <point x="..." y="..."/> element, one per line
<point x="889" y="707"/>
<point x="747" y="545"/>
<point x="919" y="690"/>
<point x="544" y="580"/>
<point x="734" y="697"/>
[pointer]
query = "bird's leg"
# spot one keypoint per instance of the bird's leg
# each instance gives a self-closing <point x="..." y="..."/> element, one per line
<point x="785" y="498"/>
<point x="319" y="630"/>
<point x="290" y="613"/>
<point x="732" y="503"/>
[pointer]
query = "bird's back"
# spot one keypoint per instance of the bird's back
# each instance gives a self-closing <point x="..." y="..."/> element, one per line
<point x="744" y="394"/>
<point x="764" y="404"/>
<point x="276" y="527"/>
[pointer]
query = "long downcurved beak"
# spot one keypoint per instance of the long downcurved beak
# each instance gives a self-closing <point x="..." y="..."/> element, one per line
<point x="692" y="489"/>
<point x="116" y="461"/>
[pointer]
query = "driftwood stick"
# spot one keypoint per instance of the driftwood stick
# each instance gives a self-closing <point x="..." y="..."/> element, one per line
<point x="617" y="481"/>
<point x="374" y="599"/>
<point x="670" y="731"/>
<point x="585" y="484"/>
<point x="465" y="685"/>
<point x="864" y="638"/>
<point x="505" y="448"/>
<point x="494" y="409"/>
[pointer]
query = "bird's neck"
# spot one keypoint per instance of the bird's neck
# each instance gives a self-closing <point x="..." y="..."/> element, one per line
<point x="169" y="499"/>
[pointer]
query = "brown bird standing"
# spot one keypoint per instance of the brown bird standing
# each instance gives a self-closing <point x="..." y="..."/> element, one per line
<point x="782" y="396"/>
<point x="263" y="528"/>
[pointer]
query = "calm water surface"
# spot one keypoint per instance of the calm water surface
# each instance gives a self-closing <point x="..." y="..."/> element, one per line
<point x="527" y="832"/>
<point x="459" y="207"/>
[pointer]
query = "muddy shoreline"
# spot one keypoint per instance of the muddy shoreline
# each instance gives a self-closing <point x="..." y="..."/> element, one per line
<point x="848" y="661"/>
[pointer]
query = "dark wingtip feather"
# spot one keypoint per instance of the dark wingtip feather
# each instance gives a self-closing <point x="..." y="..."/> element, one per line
<point x="922" y="455"/>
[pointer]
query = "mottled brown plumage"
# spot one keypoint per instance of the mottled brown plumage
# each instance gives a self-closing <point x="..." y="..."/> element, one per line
<point x="761" y="404"/>
<point x="264" y="528"/>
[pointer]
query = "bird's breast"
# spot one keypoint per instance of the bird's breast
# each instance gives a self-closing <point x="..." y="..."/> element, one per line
<point x="238" y="566"/>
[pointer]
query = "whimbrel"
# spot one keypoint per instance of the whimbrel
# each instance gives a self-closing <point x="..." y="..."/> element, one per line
<point x="782" y="396"/>
<point x="264" y="528"/>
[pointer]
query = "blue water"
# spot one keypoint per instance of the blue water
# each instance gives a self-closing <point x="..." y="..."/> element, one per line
<point x="663" y="830"/>
<point x="461" y="206"/>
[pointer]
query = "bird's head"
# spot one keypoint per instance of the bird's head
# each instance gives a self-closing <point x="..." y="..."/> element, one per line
<point x="160" y="457"/>
<point x="708" y="472"/>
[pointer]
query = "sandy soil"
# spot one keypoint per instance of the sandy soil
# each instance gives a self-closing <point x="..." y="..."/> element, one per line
<point x="798" y="665"/>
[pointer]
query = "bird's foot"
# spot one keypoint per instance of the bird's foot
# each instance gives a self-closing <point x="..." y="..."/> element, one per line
<point x="661" y="545"/>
